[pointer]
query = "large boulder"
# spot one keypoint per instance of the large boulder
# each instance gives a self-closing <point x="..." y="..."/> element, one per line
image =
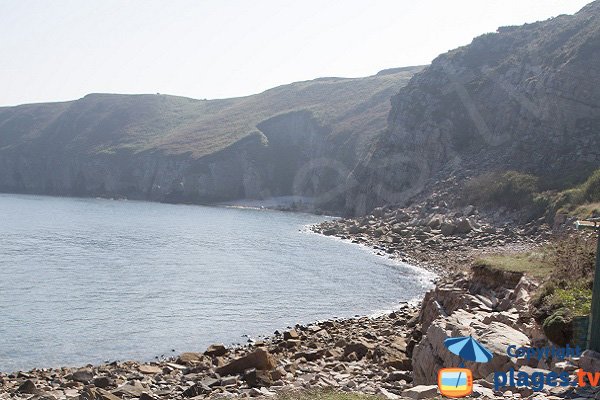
<point x="463" y="226"/>
<point x="430" y="354"/>
<point x="259" y="359"/>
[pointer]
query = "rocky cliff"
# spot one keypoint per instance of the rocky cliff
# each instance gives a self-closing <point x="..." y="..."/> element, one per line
<point x="524" y="98"/>
<point x="299" y="139"/>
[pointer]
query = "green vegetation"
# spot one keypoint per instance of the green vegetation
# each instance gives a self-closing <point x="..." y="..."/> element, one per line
<point x="531" y="263"/>
<point x="567" y="291"/>
<point x="582" y="201"/>
<point x="509" y="189"/>
<point x="565" y="267"/>
<point x="113" y="123"/>
<point x="325" y="395"/>
<point x="520" y="191"/>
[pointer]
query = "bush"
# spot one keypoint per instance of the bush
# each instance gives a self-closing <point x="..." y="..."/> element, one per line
<point x="568" y="291"/>
<point x="510" y="189"/>
<point x="587" y="192"/>
<point x="558" y="328"/>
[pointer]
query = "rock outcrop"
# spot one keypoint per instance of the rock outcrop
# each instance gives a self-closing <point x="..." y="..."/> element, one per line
<point x="295" y="140"/>
<point x="524" y="98"/>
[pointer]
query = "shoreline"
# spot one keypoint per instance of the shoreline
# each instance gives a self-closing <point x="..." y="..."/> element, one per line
<point x="369" y="354"/>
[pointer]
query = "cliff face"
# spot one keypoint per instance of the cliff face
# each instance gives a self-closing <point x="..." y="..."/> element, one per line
<point x="299" y="139"/>
<point x="524" y="98"/>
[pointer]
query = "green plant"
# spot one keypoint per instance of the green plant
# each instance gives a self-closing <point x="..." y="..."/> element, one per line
<point x="510" y="189"/>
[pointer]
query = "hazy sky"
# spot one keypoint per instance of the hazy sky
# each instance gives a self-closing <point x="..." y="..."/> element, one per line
<point x="54" y="50"/>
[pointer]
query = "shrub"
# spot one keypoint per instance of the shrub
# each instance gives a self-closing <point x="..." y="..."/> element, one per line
<point x="587" y="192"/>
<point x="510" y="189"/>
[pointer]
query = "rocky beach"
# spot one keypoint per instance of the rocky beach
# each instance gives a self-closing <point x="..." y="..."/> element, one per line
<point x="394" y="355"/>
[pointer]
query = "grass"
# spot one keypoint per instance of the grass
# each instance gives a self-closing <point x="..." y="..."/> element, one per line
<point x="532" y="263"/>
<point x="111" y="123"/>
<point x="582" y="201"/>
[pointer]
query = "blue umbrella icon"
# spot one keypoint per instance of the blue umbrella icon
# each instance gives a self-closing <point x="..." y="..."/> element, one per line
<point x="468" y="349"/>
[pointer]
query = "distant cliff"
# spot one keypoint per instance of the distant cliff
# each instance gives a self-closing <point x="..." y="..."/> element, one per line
<point x="299" y="139"/>
<point x="525" y="98"/>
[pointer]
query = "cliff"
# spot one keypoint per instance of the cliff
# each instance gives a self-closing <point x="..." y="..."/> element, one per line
<point x="291" y="140"/>
<point x="525" y="98"/>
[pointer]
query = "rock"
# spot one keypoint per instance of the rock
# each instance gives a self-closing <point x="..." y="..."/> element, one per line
<point x="430" y="354"/>
<point x="147" y="396"/>
<point x="463" y="226"/>
<point x="291" y="334"/>
<point x="150" y="369"/>
<point x="354" y="229"/>
<point x="387" y="394"/>
<point x="259" y="359"/>
<point x="229" y="380"/>
<point x="216" y="350"/>
<point x="589" y="361"/>
<point x="102" y="382"/>
<point x="134" y="389"/>
<point x="479" y="390"/>
<point x="257" y="378"/>
<point x="396" y="376"/>
<point x="91" y="393"/>
<point x="447" y="229"/>
<point x="82" y="375"/>
<point x="196" y="390"/>
<point x="189" y="358"/>
<point x="310" y="355"/>
<point x="27" y="387"/>
<point x="359" y="348"/>
<point x="434" y="222"/>
<point x="421" y="392"/>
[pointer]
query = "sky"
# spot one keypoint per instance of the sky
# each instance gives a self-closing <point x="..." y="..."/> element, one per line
<point x="56" y="50"/>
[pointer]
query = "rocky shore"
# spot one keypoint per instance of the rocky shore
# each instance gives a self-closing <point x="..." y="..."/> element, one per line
<point x="396" y="355"/>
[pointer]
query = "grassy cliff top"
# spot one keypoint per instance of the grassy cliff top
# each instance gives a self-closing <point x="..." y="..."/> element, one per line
<point x="109" y="123"/>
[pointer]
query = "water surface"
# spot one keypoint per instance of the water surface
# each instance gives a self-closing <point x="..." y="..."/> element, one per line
<point x="88" y="280"/>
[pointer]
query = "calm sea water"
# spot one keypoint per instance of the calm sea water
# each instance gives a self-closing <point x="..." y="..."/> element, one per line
<point x="86" y="280"/>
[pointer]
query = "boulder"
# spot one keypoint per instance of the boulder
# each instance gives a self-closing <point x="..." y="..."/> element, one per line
<point x="447" y="229"/>
<point x="82" y="375"/>
<point x="463" y="226"/>
<point x="360" y="348"/>
<point x="291" y="334"/>
<point x="215" y="350"/>
<point x="257" y="378"/>
<point x="103" y="382"/>
<point x="259" y="359"/>
<point x="27" y="387"/>
<point x="430" y="354"/>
